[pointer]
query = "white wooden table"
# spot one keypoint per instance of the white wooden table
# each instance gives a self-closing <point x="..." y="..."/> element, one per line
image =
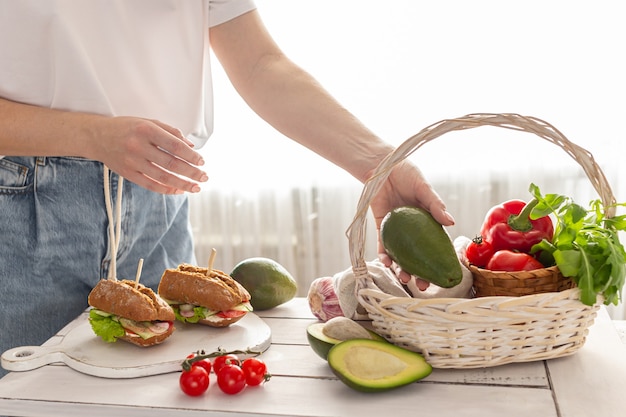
<point x="590" y="383"/>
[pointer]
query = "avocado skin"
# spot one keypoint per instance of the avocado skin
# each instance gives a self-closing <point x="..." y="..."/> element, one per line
<point x="418" y="367"/>
<point x="420" y="246"/>
<point x="268" y="282"/>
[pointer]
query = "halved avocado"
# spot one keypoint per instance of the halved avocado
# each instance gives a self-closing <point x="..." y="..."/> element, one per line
<point x="372" y="366"/>
<point x="321" y="344"/>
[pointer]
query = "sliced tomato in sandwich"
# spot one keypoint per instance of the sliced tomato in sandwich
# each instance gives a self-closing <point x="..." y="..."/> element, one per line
<point x="238" y="311"/>
<point x="229" y="314"/>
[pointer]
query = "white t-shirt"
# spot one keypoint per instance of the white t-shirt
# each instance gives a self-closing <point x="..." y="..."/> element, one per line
<point x="144" y="58"/>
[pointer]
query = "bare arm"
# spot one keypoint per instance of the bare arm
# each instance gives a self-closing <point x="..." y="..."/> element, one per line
<point x="132" y="147"/>
<point x="295" y="104"/>
<point x="290" y="99"/>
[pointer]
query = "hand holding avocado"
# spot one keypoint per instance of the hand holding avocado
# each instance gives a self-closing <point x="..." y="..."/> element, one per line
<point x="420" y="246"/>
<point x="406" y="186"/>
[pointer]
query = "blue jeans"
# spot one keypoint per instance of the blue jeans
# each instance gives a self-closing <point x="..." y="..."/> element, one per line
<point x="54" y="241"/>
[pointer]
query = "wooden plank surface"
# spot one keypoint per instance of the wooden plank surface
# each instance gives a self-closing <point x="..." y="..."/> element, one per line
<point x="304" y="385"/>
<point x="284" y="396"/>
<point x="595" y="376"/>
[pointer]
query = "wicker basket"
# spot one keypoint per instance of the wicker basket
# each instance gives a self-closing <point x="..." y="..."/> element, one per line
<point x="485" y="331"/>
<point x="515" y="284"/>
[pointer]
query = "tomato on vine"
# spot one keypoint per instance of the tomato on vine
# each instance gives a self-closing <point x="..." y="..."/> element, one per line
<point x="204" y="363"/>
<point x="232" y="374"/>
<point x="195" y="381"/>
<point x="226" y="359"/>
<point x="255" y="371"/>
<point x="231" y="379"/>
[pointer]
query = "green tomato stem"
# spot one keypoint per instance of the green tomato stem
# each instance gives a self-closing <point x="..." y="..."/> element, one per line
<point x="200" y="355"/>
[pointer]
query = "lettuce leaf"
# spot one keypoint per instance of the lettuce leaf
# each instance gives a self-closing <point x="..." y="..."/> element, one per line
<point x="199" y="313"/>
<point x="105" y="326"/>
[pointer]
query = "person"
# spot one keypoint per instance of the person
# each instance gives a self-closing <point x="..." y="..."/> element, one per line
<point x="103" y="107"/>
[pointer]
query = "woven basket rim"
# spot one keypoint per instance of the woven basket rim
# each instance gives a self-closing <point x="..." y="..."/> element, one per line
<point x="482" y="331"/>
<point x="544" y="130"/>
<point x="472" y="267"/>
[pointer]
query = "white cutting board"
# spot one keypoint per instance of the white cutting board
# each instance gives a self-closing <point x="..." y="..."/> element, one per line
<point x="85" y="352"/>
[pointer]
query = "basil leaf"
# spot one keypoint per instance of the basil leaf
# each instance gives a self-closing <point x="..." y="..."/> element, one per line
<point x="585" y="245"/>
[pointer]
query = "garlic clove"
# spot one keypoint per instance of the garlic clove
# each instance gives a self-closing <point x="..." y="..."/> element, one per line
<point x="343" y="328"/>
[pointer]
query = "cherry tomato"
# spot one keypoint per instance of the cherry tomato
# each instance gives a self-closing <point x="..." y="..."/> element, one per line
<point x="255" y="371"/>
<point x="506" y="260"/>
<point x="195" y="381"/>
<point x="205" y="363"/>
<point x="479" y="252"/>
<point x="228" y="359"/>
<point x="231" y="379"/>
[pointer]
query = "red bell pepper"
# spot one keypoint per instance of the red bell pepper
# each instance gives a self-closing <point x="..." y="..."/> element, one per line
<point x="507" y="260"/>
<point x="508" y="226"/>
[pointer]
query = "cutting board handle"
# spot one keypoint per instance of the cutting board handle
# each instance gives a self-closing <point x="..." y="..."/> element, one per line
<point x="25" y="358"/>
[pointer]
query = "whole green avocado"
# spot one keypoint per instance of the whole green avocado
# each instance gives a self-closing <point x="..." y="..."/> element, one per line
<point x="420" y="246"/>
<point x="268" y="282"/>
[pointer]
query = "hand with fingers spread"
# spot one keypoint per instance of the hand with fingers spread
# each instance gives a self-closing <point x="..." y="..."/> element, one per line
<point x="149" y="153"/>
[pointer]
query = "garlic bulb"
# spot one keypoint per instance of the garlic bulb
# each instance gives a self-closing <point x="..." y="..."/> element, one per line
<point x="323" y="300"/>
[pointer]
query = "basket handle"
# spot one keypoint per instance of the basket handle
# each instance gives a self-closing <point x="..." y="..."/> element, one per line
<point x="356" y="231"/>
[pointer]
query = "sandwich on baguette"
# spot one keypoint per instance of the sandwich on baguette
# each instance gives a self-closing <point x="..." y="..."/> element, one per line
<point x="129" y="311"/>
<point x="214" y="298"/>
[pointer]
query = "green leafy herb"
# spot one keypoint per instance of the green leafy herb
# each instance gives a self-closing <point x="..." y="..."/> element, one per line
<point x="585" y="246"/>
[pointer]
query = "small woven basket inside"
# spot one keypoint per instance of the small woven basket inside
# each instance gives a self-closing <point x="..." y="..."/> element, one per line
<point x="519" y="283"/>
<point x="489" y="330"/>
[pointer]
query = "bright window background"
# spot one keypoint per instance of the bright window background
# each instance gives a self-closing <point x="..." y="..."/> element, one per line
<point x="400" y="65"/>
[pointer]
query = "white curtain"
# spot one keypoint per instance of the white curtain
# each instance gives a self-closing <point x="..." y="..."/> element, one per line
<point x="399" y="66"/>
<point x="304" y="227"/>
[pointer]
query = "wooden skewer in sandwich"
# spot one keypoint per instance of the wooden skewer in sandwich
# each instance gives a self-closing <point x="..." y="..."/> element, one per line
<point x="204" y="295"/>
<point x="125" y="309"/>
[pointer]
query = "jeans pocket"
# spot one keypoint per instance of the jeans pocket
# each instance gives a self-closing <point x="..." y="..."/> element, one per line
<point x="14" y="176"/>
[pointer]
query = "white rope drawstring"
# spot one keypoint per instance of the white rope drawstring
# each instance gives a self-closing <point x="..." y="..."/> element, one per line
<point x="115" y="223"/>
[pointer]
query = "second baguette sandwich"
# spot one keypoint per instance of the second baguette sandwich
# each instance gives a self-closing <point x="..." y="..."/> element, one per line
<point x="214" y="299"/>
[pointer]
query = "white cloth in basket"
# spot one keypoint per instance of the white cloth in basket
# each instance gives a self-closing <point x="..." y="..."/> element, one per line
<point x="386" y="280"/>
<point x="344" y="284"/>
